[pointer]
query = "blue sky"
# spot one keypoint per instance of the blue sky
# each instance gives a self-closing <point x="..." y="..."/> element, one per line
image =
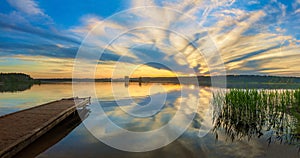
<point x="42" y="38"/>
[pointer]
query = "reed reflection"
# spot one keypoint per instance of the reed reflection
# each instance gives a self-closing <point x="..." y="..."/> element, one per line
<point x="246" y="114"/>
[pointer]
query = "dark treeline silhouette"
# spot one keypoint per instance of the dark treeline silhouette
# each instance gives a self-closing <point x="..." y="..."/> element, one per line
<point x="12" y="82"/>
<point x="232" y="81"/>
<point x="15" y="78"/>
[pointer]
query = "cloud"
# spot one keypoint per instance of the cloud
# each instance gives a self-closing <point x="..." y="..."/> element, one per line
<point x="88" y="23"/>
<point x="29" y="7"/>
<point x="295" y="4"/>
<point x="37" y="66"/>
<point x="4" y="24"/>
<point x="28" y="30"/>
<point x="45" y="50"/>
<point x="253" y="2"/>
<point x="242" y="36"/>
<point x="234" y="35"/>
<point x="250" y="40"/>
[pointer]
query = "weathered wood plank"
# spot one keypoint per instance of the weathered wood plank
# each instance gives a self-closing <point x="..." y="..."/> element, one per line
<point x="19" y="129"/>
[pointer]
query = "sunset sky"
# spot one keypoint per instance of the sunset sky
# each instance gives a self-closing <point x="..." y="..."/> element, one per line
<point x="42" y="37"/>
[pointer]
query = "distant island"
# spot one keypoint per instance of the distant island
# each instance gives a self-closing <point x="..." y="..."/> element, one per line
<point x="12" y="82"/>
<point x="15" y="78"/>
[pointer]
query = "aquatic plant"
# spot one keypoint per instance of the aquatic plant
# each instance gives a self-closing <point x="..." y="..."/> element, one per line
<point x="247" y="113"/>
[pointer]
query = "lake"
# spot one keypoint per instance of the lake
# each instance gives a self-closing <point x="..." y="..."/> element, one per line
<point x="203" y="137"/>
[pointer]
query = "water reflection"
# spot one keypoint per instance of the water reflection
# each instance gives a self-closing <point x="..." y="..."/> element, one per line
<point x="15" y="87"/>
<point x="36" y="95"/>
<point x="126" y="116"/>
<point x="250" y="114"/>
<point x="159" y="115"/>
<point x="230" y="122"/>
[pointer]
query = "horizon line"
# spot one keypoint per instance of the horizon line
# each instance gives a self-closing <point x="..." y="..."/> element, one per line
<point x="164" y="77"/>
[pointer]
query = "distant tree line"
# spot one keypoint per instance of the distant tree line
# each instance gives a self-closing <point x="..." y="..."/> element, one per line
<point x="12" y="82"/>
<point x="7" y="78"/>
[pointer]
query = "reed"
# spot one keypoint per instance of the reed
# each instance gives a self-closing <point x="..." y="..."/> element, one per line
<point x="247" y="113"/>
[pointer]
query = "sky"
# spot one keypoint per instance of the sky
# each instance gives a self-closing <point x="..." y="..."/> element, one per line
<point x="43" y="38"/>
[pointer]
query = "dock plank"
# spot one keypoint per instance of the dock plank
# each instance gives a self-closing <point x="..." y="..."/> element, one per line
<point x="19" y="129"/>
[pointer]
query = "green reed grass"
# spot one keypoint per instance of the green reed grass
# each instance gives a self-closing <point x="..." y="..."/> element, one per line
<point x="250" y="112"/>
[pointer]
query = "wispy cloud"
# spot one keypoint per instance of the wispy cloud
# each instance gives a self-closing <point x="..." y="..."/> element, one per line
<point x="28" y="30"/>
<point x="35" y="31"/>
<point x="251" y="36"/>
<point x="29" y="7"/>
<point x="253" y="2"/>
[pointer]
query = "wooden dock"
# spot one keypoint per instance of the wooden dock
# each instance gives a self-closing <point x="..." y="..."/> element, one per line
<point x="19" y="129"/>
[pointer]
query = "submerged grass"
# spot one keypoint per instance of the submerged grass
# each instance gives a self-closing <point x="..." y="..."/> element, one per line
<point x="253" y="112"/>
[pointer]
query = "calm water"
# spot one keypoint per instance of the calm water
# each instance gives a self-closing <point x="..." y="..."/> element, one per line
<point x="80" y="142"/>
